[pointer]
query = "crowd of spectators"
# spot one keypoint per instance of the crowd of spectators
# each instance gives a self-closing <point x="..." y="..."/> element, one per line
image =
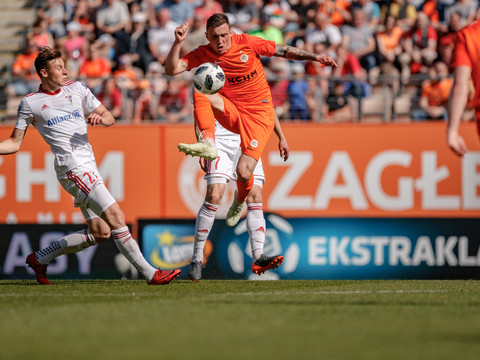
<point x="118" y="49"/>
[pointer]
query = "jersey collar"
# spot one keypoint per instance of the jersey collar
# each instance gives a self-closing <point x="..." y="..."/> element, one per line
<point x="40" y="89"/>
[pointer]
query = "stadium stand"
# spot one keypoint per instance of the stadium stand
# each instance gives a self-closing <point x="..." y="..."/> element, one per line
<point x="394" y="82"/>
<point x="16" y="17"/>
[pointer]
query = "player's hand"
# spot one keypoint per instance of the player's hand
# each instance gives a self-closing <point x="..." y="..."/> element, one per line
<point x="181" y="33"/>
<point x="94" y="119"/>
<point x="284" y="149"/>
<point x="326" y="61"/>
<point x="456" y="143"/>
<point x="203" y="164"/>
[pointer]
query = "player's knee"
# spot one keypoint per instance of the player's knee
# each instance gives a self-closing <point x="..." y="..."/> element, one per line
<point x="243" y="175"/>
<point x="254" y="198"/>
<point x="214" y="198"/>
<point x="100" y="233"/>
<point x="101" y="236"/>
<point x="114" y="217"/>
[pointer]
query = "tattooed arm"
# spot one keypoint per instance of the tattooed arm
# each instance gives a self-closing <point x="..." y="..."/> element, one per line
<point x="293" y="53"/>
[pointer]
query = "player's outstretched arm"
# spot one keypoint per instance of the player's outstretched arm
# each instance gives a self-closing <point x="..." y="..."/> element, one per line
<point x="282" y="140"/>
<point x="100" y="116"/>
<point x="293" y="53"/>
<point x="456" y="106"/>
<point x="12" y="144"/>
<point x="173" y="64"/>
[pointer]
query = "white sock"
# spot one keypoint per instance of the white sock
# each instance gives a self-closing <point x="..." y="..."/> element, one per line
<point x="128" y="246"/>
<point x="256" y="229"/>
<point x="77" y="241"/>
<point x="203" y="225"/>
<point x="44" y="256"/>
<point x="69" y="244"/>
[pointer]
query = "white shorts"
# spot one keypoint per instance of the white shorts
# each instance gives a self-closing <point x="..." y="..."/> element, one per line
<point x="86" y="186"/>
<point x="223" y="168"/>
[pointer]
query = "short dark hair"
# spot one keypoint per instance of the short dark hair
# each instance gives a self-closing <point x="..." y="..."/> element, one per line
<point x="44" y="56"/>
<point x="217" y="20"/>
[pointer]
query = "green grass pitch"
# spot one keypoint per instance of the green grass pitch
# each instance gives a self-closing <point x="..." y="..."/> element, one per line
<point x="222" y="319"/>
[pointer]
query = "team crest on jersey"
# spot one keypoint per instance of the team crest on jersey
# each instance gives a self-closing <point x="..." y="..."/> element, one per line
<point x="44" y="107"/>
<point x="244" y="58"/>
<point x="254" y="143"/>
<point x="69" y="98"/>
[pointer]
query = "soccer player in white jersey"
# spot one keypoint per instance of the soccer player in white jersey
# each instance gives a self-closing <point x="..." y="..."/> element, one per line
<point x="218" y="173"/>
<point x="56" y="111"/>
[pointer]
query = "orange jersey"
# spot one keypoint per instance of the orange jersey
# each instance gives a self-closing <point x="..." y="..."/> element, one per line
<point x="245" y="82"/>
<point x="466" y="53"/>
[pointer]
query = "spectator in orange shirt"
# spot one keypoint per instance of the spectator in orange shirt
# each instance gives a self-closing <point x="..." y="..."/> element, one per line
<point x="126" y="74"/>
<point x="94" y="69"/>
<point x="389" y="47"/>
<point x="429" y="7"/>
<point x="23" y="70"/>
<point x="24" y="63"/>
<point x="338" y="11"/>
<point x="435" y="94"/>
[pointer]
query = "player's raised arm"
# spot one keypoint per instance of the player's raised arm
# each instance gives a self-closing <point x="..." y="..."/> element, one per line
<point x="12" y="144"/>
<point x="293" y="53"/>
<point x="100" y="116"/>
<point x="173" y="64"/>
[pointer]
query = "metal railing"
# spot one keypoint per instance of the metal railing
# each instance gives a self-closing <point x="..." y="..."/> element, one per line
<point x="385" y="99"/>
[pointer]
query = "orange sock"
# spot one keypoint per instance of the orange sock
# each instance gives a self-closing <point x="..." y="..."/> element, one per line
<point x="203" y="114"/>
<point x="243" y="189"/>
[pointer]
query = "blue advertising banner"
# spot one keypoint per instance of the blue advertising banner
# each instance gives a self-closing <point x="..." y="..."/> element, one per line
<point x="168" y="244"/>
<point x="327" y="248"/>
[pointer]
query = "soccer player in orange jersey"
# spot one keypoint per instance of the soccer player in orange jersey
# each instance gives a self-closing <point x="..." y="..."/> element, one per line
<point x="466" y="54"/>
<point x="244" y="105"/>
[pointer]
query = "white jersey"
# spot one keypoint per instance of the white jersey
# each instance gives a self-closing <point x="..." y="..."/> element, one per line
<point x="59" y="118"/>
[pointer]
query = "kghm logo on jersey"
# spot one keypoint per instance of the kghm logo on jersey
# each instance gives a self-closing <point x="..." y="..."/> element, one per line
<point x="242" y="79"/>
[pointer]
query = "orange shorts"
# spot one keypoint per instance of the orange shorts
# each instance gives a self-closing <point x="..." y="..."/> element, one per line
<point x="254" y="126"/>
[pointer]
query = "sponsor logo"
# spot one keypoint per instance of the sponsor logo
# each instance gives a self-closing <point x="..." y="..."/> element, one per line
<point x="76" y="114"/>
<point x="44" y="107"/>
<point x="170" y="246"/>
<point x="239" y="80"/>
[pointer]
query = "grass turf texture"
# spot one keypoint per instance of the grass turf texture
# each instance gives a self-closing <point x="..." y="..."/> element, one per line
<point x="240" y="320"/>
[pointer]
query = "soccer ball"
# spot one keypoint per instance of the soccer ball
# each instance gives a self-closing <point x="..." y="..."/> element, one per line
<point x="209" y="78"/>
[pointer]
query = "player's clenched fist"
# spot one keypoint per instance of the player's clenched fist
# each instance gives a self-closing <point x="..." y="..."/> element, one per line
<point x="181" y="32"/>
